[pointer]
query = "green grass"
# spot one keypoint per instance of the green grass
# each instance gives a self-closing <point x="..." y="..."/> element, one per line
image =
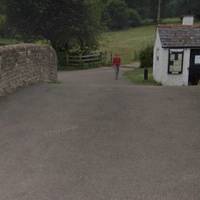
<point x="7" y="41"/>
<point x="136" y="76"/>
<point x="128" y="42"/>
<point x="54" y="82"/>
<point x="171" y="21"/>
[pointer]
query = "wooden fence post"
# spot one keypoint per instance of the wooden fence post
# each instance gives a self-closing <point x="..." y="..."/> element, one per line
<point x="93" y="59"/>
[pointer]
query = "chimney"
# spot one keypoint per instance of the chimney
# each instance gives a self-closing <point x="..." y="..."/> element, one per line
<point x="188" y="20"/>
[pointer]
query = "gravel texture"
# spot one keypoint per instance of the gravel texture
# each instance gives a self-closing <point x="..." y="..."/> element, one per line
<point x="93" y="138"/>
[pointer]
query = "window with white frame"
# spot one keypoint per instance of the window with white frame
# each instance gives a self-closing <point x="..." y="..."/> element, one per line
<point x="175" y="65"/>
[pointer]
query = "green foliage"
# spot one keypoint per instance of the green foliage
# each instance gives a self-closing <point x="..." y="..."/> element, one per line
<point x="2" y="7"/>
<point x="128" y="43"/>
<point x="146" y="8"/>
<point x="146" y="57"/>
<point x="65" y="23"/>
<point x="8" y="41"/>
<point x="42" y="42"/>
<point x="134" y="18"/>
<point x="169" y="8"/>
<point x="62" y="59"/>
<point x="2" y="25"/>
<point x="76" y="61"/>
<point x="136" y="76"/>
<point x="188" y="7"/>
<point x="117" y="15"/>
<point x="176" y="20"/>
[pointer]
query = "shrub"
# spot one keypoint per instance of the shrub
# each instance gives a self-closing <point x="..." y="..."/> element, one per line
<point x="134" y="18"/>
<point x="146" y="57"/>
<point x="148" y="21"/>
<point x="62" y="59"/>
<point x="116" y="14"/>
<point x="42" y="42"/>
<point x="2" y="25"/>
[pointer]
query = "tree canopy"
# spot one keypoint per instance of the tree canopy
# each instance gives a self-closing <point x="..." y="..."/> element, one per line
<point x="169" y="8"/>
<point x="63" y="22"/>
<point x="77" y="23"/>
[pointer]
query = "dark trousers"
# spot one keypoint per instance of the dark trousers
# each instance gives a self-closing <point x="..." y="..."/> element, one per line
<point x="116" y="72"/>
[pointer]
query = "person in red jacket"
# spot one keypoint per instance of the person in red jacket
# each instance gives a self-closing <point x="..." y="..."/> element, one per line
<point x="116" y="64"/>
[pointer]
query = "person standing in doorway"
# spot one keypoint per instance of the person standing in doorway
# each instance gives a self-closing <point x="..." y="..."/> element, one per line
<point x="116" y="64"/>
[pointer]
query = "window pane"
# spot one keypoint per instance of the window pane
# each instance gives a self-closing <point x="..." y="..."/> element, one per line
<point x="175" y="61"/>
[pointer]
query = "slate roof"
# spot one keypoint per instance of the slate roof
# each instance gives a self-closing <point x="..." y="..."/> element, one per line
<point x="179" y="36"/>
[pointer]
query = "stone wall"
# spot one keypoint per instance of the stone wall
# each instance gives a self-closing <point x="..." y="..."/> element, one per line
<point x="25" y="64"/>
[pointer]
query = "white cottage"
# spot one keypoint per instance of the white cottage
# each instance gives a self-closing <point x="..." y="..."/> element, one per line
<point x="177" y="54"/>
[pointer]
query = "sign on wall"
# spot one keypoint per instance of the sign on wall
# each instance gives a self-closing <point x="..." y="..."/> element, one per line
<point x="197" y="60"/>
<point x="175" y="61"/>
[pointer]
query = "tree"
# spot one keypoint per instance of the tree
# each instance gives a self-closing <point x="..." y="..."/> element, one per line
<point x="188" y="7"/>
<point x="134" y="18"/>
<point x="63" y="22"/>
<point x="159" y="11"/>
<point x="2" y="7"/>
<point x="116" y="14"/>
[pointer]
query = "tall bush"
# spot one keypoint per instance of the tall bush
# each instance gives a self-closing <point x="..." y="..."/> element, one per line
<point x="134" y="18"/>
<point x="2" y="25"/>
<point x="146" y="57"/>
<point x="116" y="14"/>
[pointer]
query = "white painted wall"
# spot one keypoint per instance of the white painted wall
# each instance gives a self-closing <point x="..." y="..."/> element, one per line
<point x="157" y="63"/>
<point x="160" y="67"/>
<point x="188" y="20"/>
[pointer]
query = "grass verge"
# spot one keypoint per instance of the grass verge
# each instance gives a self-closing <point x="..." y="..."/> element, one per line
<point x="8" y="41"/>
<point x="128" y="43"/>
<point x="54" y="82"/>
<point x="136" y="76"/>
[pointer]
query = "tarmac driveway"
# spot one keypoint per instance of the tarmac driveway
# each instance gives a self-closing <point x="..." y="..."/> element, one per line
<point x="94" y="138"/>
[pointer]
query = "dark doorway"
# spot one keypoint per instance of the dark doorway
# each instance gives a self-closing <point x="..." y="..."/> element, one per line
<point x="194" y="70"/>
